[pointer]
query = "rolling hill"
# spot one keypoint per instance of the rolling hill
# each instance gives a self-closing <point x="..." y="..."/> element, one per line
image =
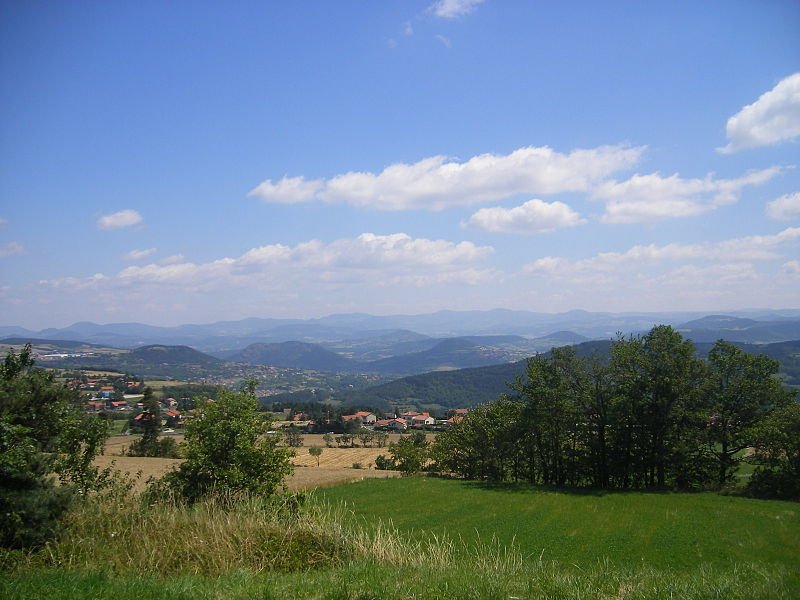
<point x="299" y="355"/>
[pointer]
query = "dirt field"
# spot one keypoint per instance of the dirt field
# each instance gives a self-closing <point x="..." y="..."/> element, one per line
<point x="336" y="464"/>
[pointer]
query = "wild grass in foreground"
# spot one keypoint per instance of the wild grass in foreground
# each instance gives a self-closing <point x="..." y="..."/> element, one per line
<point x="363" y="580"/>
<point x="298" y="547"/>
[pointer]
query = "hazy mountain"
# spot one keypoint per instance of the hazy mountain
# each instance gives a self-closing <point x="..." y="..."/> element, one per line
<point x="159" y="355"/>
<point x="469" y="387"/>
<point x="298" y="355"/>
<point x="231" y="335"/>
<point x="455" y="388"/>
<point x="737" y="329"/>
<point x="454" y="353"/>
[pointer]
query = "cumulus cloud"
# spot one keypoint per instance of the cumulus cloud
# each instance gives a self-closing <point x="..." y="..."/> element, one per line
<point x="773" y="118"/>
<point x="368" y="259"/>
<point x="436" y="183"/>
<point x="11" y="249"/>
<point x="534" y="216"/>
<point x="749" y="248"/>
<point x="138" y="254"/>
<point x="785" y="208"/>
<point x="644" y="198"/>
<point x="117" y="220"/>
<point x="3" y="221"/>
<point x="452" y="9"/>
<point x="408" y="30"/>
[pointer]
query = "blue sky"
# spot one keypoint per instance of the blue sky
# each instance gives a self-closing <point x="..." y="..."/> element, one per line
<point x="197" y="161"/>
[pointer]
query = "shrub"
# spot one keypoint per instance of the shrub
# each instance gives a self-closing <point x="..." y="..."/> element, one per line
<point x="227" y="451"/>
<point x="384" y="463"/>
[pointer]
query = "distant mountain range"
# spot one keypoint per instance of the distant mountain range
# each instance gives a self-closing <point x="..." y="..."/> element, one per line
<point x="470" y="387"/>
<point x="432" y="372"/>
<point x="363" y="330"/>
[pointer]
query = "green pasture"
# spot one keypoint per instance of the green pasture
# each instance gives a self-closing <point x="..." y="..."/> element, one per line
<point x="630" y="529"/>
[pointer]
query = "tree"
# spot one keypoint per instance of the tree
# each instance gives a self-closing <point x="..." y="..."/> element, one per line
<point x="150" y="423"/>
<point x="43" y="432"/>
<point x="380" y="438"/>
<point x="228" y="450"/>
<point x="365" y="436"/>
<point x="316" y="452"/>
<point x="776" y="441"/>
<point x="294" y="439"/>
<point x="741" y="389"/>
<point x="409" y="454"/>
<point x="329" y="440"/>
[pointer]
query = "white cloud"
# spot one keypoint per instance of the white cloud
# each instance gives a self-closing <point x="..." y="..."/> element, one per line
<point x="750" y="248"/>
<point x="436" y="183"/>
<point x="173" y="259"/>
<point x="444" y="40"/>
<point x="791" y="267"/>
<point x="3" y="221"/>
<point x="408" y="30"/>
<point x="451" y="9"/>
<point x="785" y="208"/>
<point x="11" y="249"/>
<point x="534" y="216"/>
<point x="652" y="197"/>
<point x="773" y="118"/>
<point x="117" y="220"/>
<point x="138" y="254"/>
<point x="368" y="259"/>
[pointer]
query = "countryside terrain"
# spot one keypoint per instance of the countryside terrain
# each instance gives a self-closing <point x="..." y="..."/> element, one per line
<point x="347" y="529"/>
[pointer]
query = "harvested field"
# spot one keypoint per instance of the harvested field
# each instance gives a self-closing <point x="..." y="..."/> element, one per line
<point x="336" y="465"/>
<point x="341" y="458"/>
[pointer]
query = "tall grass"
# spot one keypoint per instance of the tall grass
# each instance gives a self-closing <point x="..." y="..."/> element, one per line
<point x="118" y="546"/>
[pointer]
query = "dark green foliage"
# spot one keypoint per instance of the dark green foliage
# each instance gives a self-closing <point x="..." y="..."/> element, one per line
<point x="228" y="451"/>
<point x="43" y="433"/>
<point x="654" y="416"/>
<point x="316" y="452"/>
<point x="293" y="437"/>
<point x="383" y="463"/>
<point x="741" y="389"/>
<point x="150" y="444"/>
<point x="777" y="451"/>
<point x="409" y="454"/>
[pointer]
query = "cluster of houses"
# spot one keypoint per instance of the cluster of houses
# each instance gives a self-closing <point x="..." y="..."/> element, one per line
<point x="406" y="420"/>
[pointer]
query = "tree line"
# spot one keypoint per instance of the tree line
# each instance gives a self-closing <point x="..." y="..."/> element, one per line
<point x="653" y="415"/>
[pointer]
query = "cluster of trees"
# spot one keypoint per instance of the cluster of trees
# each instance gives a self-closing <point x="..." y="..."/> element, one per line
<point x="367" y="437"/>
<point x="653" y="415"/>
<point x="45" y="437"/>
<point x="48" y="444"/>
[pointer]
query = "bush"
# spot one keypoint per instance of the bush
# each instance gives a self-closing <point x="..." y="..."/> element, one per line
<point x="228" y="452"/>
<point x="383" y="463"/>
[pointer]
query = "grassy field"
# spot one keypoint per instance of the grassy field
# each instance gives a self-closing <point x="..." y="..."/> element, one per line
<point x="449" y="540"/>
<point x="631" y="530"/>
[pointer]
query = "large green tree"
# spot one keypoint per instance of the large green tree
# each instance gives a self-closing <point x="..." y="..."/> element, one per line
<point x="43" y="433"/>
<point x="228" y="450"/>
<point x="741" y="389"/>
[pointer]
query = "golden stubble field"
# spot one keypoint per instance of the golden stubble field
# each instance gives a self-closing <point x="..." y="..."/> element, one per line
<point x="335" y="464"/>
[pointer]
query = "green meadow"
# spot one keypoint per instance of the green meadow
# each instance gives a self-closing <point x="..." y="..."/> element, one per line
<point x="660" y="530"/>
<point x="422" y="538"/>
